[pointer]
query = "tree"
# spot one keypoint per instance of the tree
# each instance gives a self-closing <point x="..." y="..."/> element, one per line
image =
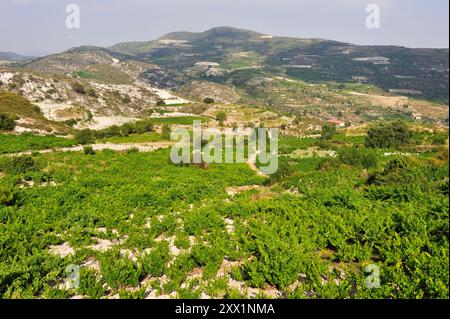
<point x="84" y="137"/>
<point x="208" y="100"/>
<point x="328" y="131"/>
<point x="6" y="123"/>
<point x="387" y="135"/>
<point x="126" y="129"/>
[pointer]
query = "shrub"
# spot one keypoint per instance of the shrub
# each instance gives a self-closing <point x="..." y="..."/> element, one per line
<point x="84" y="137"/>
<point x="400" y="170"/>
<point x="20" y="165"/>
<point x="88" y="150"/>
<point x="6" y="123"/>
<point x="126" y="129"/>
<point x="143" y="126"/>
<point x="155" y="262"/>
<point x="119" y="272"/>
<point x="358" y="157"/>
<point x="387" y="135"/>
<point x="8" y="196"/>
<point x="221" y="116"/>
<point x="77" y="87"/>
<point x="37" y="109"/>
<point x="166" y="131"/>
<point x="208" y="100"/>
<point x="328" y="131"/>
<point x="90" y="285"/>
<point x="160" y="103"/>
<point x="284" y="170"/>
<point x="71" y="122"/>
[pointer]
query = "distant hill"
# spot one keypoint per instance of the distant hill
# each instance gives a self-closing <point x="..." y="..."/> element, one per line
<point x="13" y="57"/>
<point x="312" y="79"/>
<point x="415" y="72"/>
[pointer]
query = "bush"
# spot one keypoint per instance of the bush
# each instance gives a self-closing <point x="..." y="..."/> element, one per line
<point x="387" y="135"/>
<point x="71" y="122"/>
<point x="143" y="126"/>
<point x="88" y="150"/>
<point x="208" y="100"/>
<point x="328" y="131"/>
<point x="358" y="157"/>
<point x="77" y="87"/>
<point x="126" y="129"/>
<point x="166" y="131"/>
<point x="6" y="123"/>
<point x="221" y="116"/>
<point x="284" y="170"/>
<point x="155" y="262"/>
<point x="84" y="137"/>
<point x="160" y="103"/>
<point x="8" y="196"/>
<point x="20" y="165"/>
<point x="90" y="285"/>
<point x="119" y="272"/>
<point x="400" y="170"/>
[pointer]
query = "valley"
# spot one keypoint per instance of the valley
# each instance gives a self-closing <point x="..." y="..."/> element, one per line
<point x="86" y="178"/>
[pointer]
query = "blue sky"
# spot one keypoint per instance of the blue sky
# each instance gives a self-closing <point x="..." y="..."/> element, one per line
<point x="38" y="26"/>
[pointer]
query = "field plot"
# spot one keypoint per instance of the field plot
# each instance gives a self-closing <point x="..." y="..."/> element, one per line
<point x="151" y="229"/>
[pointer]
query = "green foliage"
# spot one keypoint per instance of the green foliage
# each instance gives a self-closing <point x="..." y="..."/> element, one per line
<point x="328" y="131"/>
<point x="6" y="123"/>
<point x="358" y="157"/>
<point x="316" y="229"/>
<point x="119" y="271"/>
<point x="284" y="170"/>
<point x="388" y="135"/>
<point x="90" y="284"/>
<point x="8" y="195"/>
<point x="208" y="100"/>
<point x="125" y="130"/>
<point x="155" y="262"/>
<point x="221" y="116"/>
<point x="19" y="165"/>
<point x="84" y="137"/>
<point x="165" y="131"/>
<point x="88" y="150"/>
<point x="27" y="141"/>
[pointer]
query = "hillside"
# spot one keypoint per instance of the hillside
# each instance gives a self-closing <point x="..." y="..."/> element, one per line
<point x="28" y="117"/>
<point x="312" y="80"/>
<point x="354" y="204"/>
<point x="415" y="72"/>
<point x="6" y="57"/>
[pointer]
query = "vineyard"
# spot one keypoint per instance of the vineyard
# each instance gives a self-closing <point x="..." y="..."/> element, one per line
<point x="138" y="226"/>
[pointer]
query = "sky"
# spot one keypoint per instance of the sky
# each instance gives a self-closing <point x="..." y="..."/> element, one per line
<point x="38" y="27"/>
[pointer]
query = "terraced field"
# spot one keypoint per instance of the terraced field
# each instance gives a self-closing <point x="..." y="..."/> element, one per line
<point x="151" y="229"/>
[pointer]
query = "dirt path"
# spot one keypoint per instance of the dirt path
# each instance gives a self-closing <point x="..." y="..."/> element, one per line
<point x="141" y="147"/>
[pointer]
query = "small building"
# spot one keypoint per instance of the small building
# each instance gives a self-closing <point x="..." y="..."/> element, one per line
<point x="336" y="122"/>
